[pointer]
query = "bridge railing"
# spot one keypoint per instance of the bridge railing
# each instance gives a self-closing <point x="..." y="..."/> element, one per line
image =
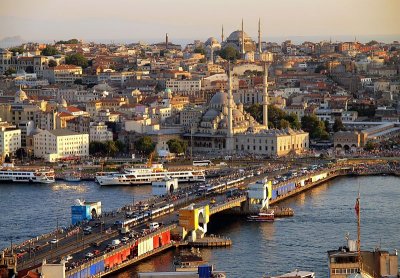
<point x="227" y="205"/>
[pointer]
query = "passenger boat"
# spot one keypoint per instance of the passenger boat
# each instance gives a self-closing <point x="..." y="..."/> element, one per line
<point x="72" y="176"/>
<point x="9" y="173"/>
<point x="267" y="216"/>
<point x="147" y="175"/>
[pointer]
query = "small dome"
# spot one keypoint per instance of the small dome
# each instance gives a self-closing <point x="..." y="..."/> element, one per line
<point x="168" y="90"/>
<point x="236" y="113"/>
<point x="210" y="41"/>
<point x="219" y="99"/>
<point x="211" y="114"/>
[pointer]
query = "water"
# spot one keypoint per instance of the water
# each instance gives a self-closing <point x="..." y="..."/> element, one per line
<point x="322" y="217"/>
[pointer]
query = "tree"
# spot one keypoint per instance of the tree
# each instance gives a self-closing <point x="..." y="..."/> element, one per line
<point x="314" y="127"/>
<point x="275" y="116"/>
<point x="111" y="148"/>
<point x="97" y="148"/>
<point x="320" y="68"/>
<point x="293" y="120"/>
<point x="10" y="71"/>
<point x="369" y="146"/>
<point x="18" y="49"/>
<point x="71" y="41"/>
<point x="145" y="145"/>
<point x="52" y="63"/>
<point x="20" y="153"/>
<point x="230" y="53"/>
<point x="200" y="50"/>
<point x="29" y="69"/>
<point x="177" y="146"/>
<point x="120" y="146"/>
<point x="77" y="59"/>
<point x="50" y="51"/>
<point x="338" y="125"/>
<point x="327" y="126"/>
<point x="284" y="123"/>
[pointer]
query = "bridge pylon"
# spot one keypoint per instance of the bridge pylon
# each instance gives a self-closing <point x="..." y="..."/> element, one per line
<point x="193" y="220"/>
<point x="259" y="194"/>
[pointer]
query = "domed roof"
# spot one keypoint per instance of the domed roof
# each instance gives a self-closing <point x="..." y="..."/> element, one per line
<point x="211" y="114"/>
<point x="211" y="41"/>
<point x="20" y="96"/>
<point x="236" y="113"/>
<point x="168" y="90"/>
<point x="237" y="36"/>
<point x="219" y="99"/>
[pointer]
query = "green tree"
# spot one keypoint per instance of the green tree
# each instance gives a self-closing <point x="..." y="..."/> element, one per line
<point x="71" y="41"/>
<point x="320" y="68"/>
<point x="52" y="63"/>
<point x="369" y="146"/>
<point x="50" y="51"/>
<point x="338" y="125"/>
<point x="29" y="69"/>
<point x="284" y="123"/>
<point x="97" y="148"/>
<point x="20" y="153"/>
<point x="111" y="148"/>
<point x="327" y="126"/>
<point x="18" y="49"/>
<point x="177" y="146"/>
<point x="275" y="115"/>
<point x="145" y="145"/>
<point x="121" y="146"/>
<point x="314" y="127"/>
<point x="10" y="71"/>
<point x="200" y="50"/>
<point x="293" y="120"/>
<point x="77" y="59"/>
<point x="230" y="53"/>
<point x="255" y="111"/>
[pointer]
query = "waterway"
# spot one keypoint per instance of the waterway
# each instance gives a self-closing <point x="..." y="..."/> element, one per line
<point x="323" y="216"/>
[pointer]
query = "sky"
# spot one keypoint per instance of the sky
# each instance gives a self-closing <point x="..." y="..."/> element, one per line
<point x="149" y="20"/>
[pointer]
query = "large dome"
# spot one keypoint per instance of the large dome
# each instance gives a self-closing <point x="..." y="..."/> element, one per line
<point x="237" y="36"/>
<point x="218" y="100"/>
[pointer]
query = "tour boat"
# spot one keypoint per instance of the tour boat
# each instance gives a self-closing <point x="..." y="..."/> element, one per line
<point x="8" y="173"/>
<point x="147" y="175"/>
<point x="262" y="217"/>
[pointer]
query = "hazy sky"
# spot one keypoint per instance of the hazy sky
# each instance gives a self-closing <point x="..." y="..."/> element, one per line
<point x="149" y="20"/>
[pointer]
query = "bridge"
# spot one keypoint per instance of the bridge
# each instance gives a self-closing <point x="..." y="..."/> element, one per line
<point x="189" y="223"/>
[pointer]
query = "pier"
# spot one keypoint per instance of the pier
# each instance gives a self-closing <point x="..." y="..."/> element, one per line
<point x="144" y="243"/>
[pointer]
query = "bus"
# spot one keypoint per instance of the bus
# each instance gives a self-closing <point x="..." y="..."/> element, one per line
<point x="202" y="163"/>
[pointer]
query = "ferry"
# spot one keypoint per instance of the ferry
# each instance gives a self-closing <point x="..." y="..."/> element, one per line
<point x="268" y="216"/>
<point x="138" y="176"/>
<point x="41" y="175"/>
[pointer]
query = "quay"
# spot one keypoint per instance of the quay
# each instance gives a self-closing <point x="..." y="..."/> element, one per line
<point x="186" y="224"/>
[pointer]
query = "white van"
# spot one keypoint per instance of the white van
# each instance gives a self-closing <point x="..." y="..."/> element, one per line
<point x="154" y="225"/>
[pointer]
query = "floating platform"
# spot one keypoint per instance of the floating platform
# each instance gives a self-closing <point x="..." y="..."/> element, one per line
<point x="211" y="241"/>
<point x="283" y="212"/>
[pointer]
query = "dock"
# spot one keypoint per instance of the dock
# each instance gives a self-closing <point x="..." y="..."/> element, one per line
<point x="211" y="241"/>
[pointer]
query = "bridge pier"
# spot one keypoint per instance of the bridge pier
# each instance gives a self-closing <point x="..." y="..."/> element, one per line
<point x="193" y="221"/>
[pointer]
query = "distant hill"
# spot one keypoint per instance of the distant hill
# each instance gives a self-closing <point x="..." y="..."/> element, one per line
<point x="11" y="41"/>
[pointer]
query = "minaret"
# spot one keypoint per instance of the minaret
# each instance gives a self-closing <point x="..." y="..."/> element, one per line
<point x="166" y="41"/>
<point x="242" y="39"/>
<point x="212" y="53"/>
<point x="229" y="138"/>
<point x="265" y="97"/>
<point x="259" y="36"/>
<point x="222" y="34"/>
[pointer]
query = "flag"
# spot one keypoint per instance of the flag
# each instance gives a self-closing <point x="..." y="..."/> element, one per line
<point x="357" y="206"/>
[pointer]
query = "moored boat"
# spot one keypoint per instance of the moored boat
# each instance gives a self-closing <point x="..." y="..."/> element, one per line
<point x="268" y="216"/>
<point x="9" y="173"/>
<point x="72" y="176"/>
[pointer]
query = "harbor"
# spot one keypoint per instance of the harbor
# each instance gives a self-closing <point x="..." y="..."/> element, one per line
<point x="282" y="193"/>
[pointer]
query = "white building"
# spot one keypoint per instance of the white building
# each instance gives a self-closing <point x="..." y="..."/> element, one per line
<point x="10" y="140"/>
<point x="99" y="132"/>
<point x="183" y="85"/>
<point x="60" y="143"/>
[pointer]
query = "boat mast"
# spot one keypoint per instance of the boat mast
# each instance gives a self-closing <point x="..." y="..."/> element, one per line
<point x="357" y="208"/>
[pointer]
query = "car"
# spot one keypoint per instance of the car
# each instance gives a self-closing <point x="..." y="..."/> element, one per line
<point x="54" y="241"/>
<point x="96" y="252"/>
<point x="68" y="258"/>
<point x="89" y="255"/>
<point x="124" y="239"/>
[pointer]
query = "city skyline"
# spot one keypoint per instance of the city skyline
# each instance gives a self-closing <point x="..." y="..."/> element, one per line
<point x="149" y="22"/>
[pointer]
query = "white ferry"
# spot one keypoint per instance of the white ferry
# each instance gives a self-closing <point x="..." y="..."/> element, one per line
<point x="10" y="174"/>
<point x="137" y="176"/>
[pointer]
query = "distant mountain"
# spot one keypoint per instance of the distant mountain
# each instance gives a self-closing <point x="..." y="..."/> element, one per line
<point x="11" y="41"/>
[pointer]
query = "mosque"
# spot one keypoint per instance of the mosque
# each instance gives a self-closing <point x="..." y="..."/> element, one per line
<point x="225" y="127"/>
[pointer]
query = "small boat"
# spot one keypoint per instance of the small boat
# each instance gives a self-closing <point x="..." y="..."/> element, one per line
<point x="72" y="176"/>
<point x="267" y="216"/>
<point x="188" y="260"/>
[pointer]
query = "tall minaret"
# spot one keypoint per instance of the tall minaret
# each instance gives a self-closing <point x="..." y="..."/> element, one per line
<point x="259" y="36"/>
<point x="222" y="34"/>
<point x="265" y="96"/>
<point x="212" y="53"/>
<point x="242" y="40"/>
<point x="229" y="138"/>
<point x="166" y="41"/>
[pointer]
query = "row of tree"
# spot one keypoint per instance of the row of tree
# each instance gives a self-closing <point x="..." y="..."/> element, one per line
<point x="109" y="148"/>
<point x="146" y="146"/>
